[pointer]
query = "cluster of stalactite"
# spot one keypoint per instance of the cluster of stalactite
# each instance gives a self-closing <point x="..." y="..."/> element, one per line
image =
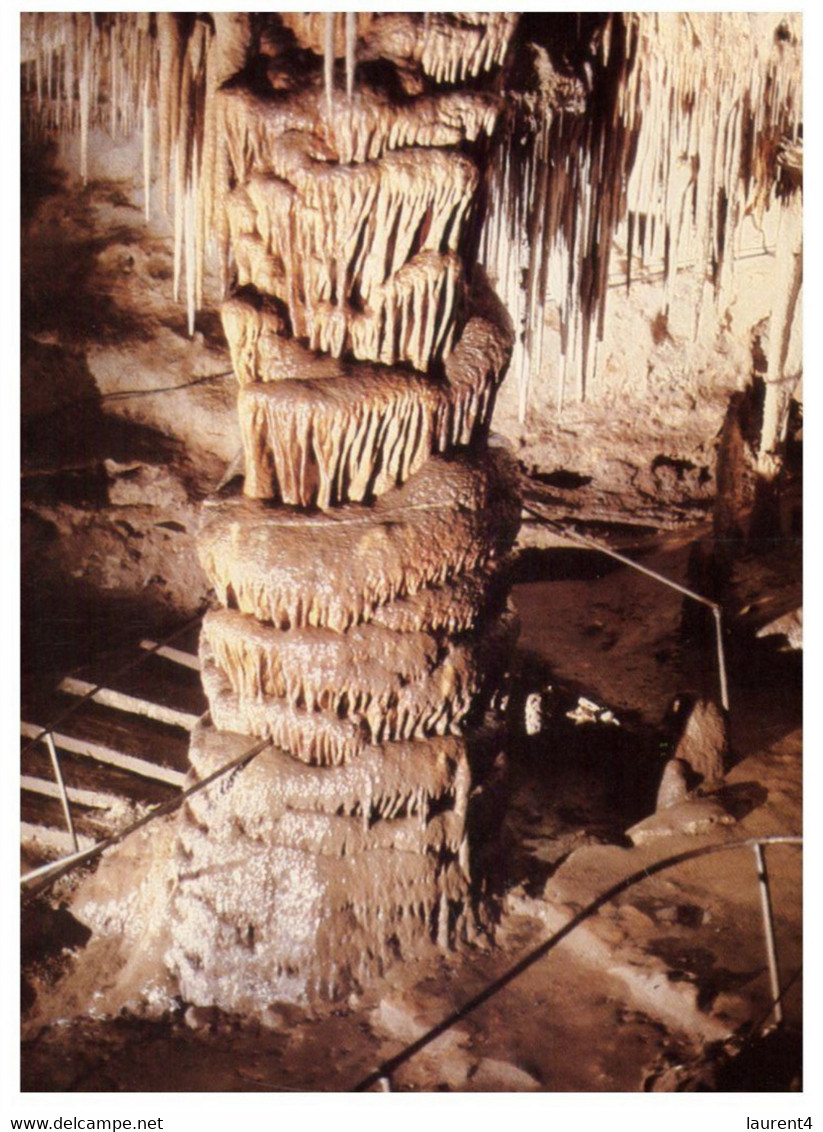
<point x="364" y="628"/>
<point x="159" y="73"/>
<point x="81" y="70"/>
<point x="670" y="141"/>
<point x="318" y="431"/>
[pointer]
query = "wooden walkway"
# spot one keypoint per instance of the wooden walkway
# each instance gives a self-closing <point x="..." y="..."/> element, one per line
<point x="122" y="751"/>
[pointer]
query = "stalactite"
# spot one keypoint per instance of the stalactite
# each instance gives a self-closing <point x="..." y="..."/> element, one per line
<point x="111" y="70"/>
<point x="285" y="568"/>
<point x="328" y="67"/>
<point x="351" y="49"/>
<point x="398" y="685"/>
<point x="169" y="40"/>
<point x="678" y="149"/>
<point x="190" y="241"/>
<point x="85" y="112"/>
<point x="785" y="361"/>
<point x="367" y="633"/>
<point x="147" y="140"/>
<point x="226" y="55"/>
<point x="324" y="434"/>
<point x="179" y="216"/>
<point x="113" y="91"/>
<point x="122" y="63"/>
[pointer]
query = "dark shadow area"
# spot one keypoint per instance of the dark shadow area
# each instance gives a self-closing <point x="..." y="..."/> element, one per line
<point x="65" y="628"/>
<point x="768" y="693"/>
<point x="56" y="297"/>
<point x="740" y="798"/>
<point x="558" y="564"/>
<point x="697" y="965"/>
<point x="565" y="480"/>
<point x="39" y="176"/>
<point x="771" y="1063"/>
<point x="752" y="1063"/>
<point x="571" y="784"/>
<point x="46" y="933"/>
<point x="61" y="253"/>
<point x="65" y="427"/>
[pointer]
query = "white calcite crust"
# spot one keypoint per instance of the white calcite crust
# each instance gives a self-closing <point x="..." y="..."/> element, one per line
<point x="296" y="881"/>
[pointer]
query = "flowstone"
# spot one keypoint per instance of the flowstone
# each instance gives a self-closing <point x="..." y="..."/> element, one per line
<point x="299" y="884"/>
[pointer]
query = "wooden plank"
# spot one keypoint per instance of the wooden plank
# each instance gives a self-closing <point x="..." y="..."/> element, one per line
<point x="169" y="652"/>
<point x="39" y="810"/>
<point x="90" y="798"/>
<point x="156" y="679"/>
<point x="106" y="754"/>
<point x="135" y="705"/>
<point x="135" y="735"/>
<point x="190" y="638"/>
<point x="85" y="776"/>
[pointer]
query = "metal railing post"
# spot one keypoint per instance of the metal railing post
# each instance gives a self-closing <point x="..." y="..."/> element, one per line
<point x="64" y="795"/>
<point x="768" y="931"/>
<point x="55" y="869"/>
<point x="393" y="1063"/>
<point x="721" y="657"/>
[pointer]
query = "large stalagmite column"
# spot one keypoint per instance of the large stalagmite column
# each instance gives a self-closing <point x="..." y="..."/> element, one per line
<point x="365" y="627"/>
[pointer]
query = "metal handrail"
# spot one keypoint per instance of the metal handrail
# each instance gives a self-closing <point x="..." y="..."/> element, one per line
<point x="382" y="1075"/>
<point x="49" y="873"/>
<point x="573" y="535"/>
<point x="46" y="735"/>
<point x="61" y="786"/>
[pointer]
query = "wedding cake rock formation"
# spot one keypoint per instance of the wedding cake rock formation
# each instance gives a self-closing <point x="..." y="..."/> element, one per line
<point x="365" y="629"/>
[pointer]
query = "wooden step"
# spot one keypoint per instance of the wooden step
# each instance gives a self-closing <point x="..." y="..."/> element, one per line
<point x="125" y="746"/>
<point x="89" y="781"/>
<point x="39" y="811"/>
<point x="136" y="735"/>
<point x="158" y="681"/>
<point x="170" y="652"/>
<point x="125" y="702"/>
<point x="83" y="735"/>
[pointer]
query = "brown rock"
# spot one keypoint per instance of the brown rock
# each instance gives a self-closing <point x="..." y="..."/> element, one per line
<point x="674" y="784"/>
<point x="704" y="742"/>
<point x="296" y="569"/>
<point x="306" y="688"/>
<point x="694" y="817"/>
<point x="323" y="434"/>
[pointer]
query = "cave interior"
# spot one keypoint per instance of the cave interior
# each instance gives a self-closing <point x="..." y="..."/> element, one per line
<point x="411" y="543"/>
